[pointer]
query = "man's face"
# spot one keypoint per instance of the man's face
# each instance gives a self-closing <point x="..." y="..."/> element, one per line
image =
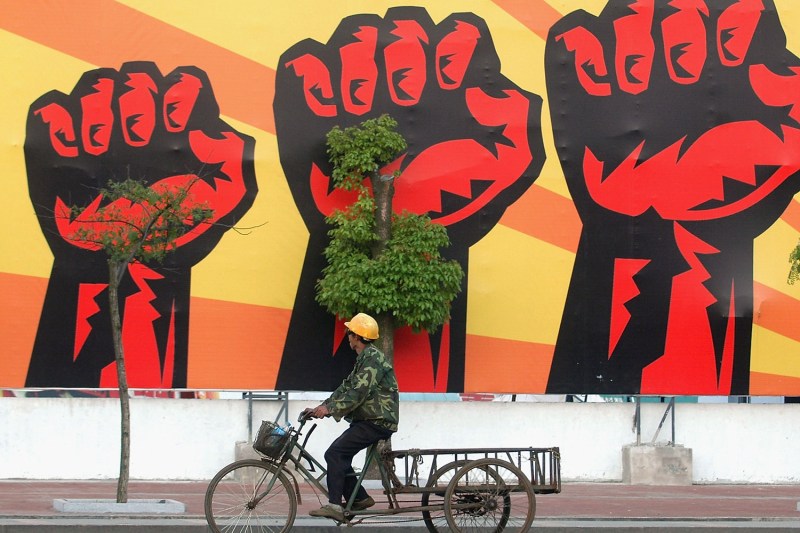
<point x="352" y="338"/>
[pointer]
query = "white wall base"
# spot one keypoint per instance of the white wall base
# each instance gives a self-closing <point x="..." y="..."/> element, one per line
<point x="78" y="438"/>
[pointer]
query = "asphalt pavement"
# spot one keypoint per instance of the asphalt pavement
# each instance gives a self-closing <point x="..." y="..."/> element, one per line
<point x="27" y="506"/>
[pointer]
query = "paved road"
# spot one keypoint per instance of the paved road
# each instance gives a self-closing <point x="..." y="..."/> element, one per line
<point x="27" y="507"/>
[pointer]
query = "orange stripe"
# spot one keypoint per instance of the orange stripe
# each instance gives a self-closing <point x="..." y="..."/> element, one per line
<point x="536" y="15"/>
<point x="503" y="365"/>
<point x="19" y="319"/>
<point x="773" y="385"/>
<point x="792" y="215"/>
<point x="234" y="345"/>
<point x="545" y="215"/>
<point x="108" y="34"/>
<point x="776" y="311"/>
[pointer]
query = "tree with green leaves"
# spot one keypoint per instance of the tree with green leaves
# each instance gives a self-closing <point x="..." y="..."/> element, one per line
<point x="135" y="223"/>
<point x="382" y="263"/>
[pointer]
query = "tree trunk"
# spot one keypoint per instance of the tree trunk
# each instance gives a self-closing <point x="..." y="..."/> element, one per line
<point x="115" y="271"/>
<point x="383" y="191"/>
<point x="386" y="341"/>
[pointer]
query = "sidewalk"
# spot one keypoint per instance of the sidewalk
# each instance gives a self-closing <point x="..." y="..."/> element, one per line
<point x="580" y="505"/>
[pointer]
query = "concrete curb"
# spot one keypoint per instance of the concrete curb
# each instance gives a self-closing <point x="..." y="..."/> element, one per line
<point x="105" y="506"/>
<point x="312" y="525"/>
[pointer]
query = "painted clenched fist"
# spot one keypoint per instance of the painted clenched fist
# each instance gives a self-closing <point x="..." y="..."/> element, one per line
<point x="474" y="136"/>
<point x="166" y="132"/>
<point x="679" y="106"/>
<point x="137" y="123"/>
<point x="474" y="146"/>
<point x="676" y="122"/>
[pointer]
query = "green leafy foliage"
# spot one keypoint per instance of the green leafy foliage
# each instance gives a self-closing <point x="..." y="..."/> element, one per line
<point x="408" y="279"/>
<point x="137" y="222"/>
<point x="794" y="259"/>
<point x="360" y="151"/>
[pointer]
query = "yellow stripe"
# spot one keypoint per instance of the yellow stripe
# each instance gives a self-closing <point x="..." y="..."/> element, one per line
<point x="517" y="287"/>
<point x="774" y="354"/>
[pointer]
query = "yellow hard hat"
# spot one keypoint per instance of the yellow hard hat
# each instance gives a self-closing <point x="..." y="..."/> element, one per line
<point x="363" y="325"/>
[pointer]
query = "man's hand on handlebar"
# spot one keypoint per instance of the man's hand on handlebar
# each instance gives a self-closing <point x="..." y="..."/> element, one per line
<point x="320" y="411"/>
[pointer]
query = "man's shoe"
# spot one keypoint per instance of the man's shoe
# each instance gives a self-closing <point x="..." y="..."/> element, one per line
<point x="329" y="510"/>
<point x="366" y="503"/>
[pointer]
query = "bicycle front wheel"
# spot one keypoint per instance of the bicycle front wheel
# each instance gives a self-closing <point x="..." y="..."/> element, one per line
<point x="250" y="496"/>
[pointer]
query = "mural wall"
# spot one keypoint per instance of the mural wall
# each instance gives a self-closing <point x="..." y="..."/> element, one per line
<point x="617" y="179"/>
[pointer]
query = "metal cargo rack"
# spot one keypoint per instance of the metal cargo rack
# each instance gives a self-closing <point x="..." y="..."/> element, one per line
<point x="541" y="465"/>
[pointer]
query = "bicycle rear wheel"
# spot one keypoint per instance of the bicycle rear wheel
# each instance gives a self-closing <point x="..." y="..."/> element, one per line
<point x="490" y="495"/>
<point x="250" y="496"/>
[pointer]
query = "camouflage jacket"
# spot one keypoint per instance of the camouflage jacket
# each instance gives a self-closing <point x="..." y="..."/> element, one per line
<point x="368" y="393"/>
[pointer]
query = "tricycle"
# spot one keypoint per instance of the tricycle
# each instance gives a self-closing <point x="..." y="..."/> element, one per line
<point x="459" y="490"/>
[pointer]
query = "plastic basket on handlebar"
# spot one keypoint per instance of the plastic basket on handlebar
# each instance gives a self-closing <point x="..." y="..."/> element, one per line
<point x="270" y="440"/>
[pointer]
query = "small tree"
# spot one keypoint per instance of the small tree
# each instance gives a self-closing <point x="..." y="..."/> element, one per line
<point x="794" y="259"/>
<point x="136" y="224"/>
<point x="382" y="263"/>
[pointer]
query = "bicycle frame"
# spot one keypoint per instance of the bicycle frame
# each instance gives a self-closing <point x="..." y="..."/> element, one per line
<point x="287" y="456"/>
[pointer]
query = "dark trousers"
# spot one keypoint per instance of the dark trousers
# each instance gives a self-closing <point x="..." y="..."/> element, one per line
<point x="339" y="456"/>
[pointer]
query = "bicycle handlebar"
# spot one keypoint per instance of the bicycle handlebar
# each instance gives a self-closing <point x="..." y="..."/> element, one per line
<point x="302" y="418"/>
